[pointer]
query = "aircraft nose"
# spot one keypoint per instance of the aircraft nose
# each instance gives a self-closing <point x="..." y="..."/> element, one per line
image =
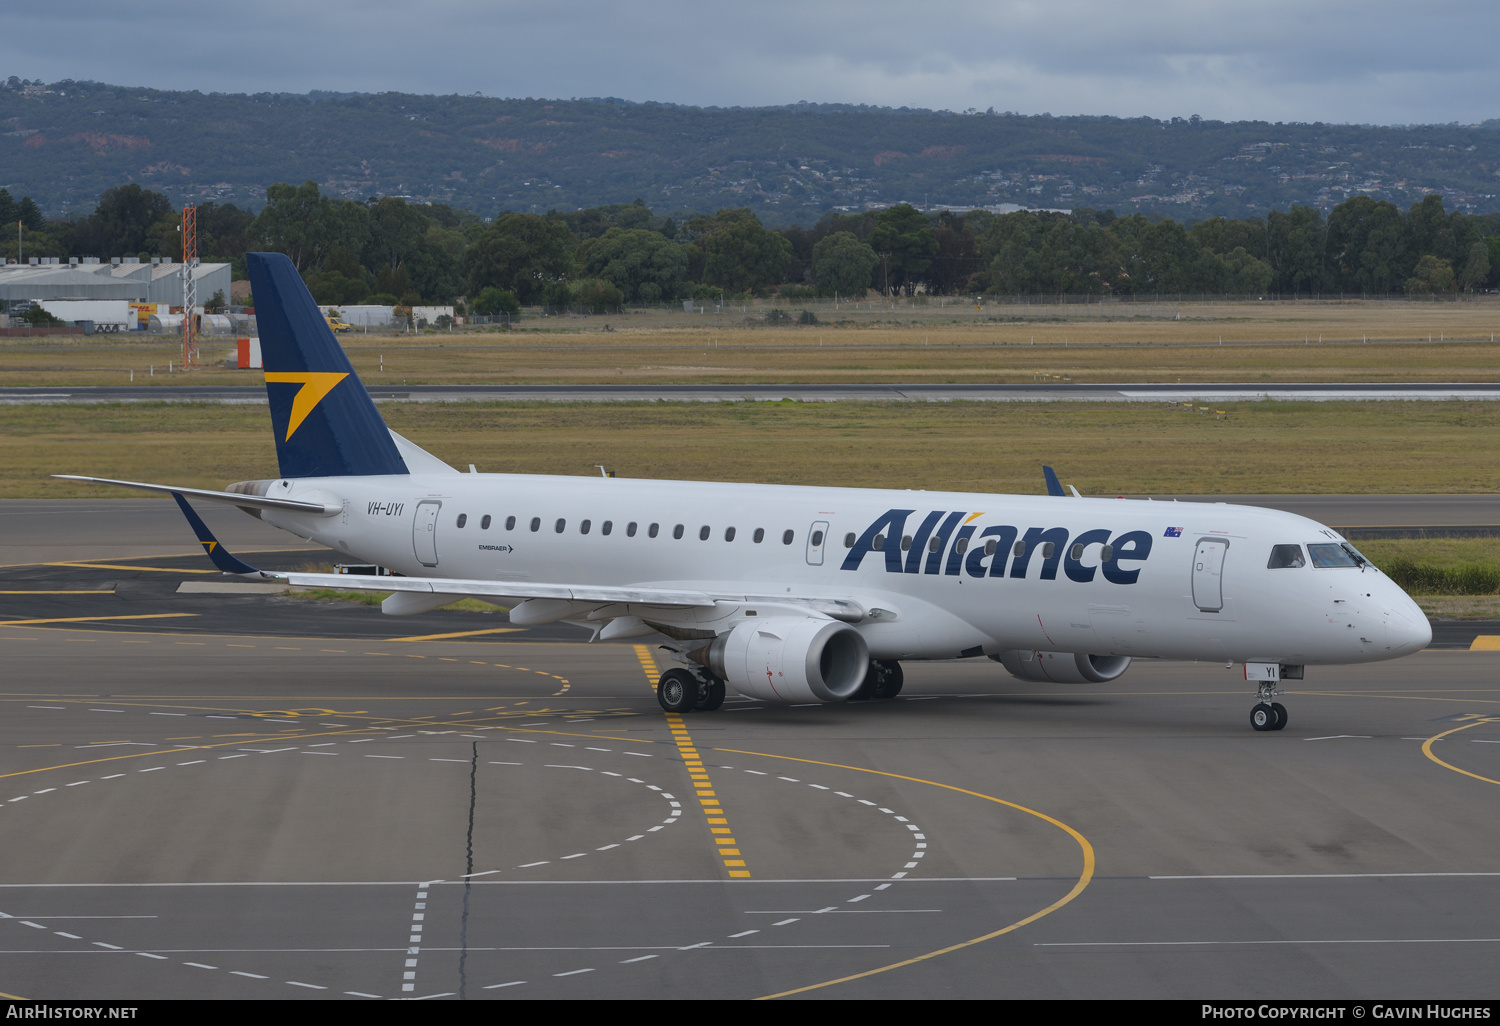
<point x="1407" y="627"/>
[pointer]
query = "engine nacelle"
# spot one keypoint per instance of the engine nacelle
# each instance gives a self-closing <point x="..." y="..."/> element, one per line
<point x="789" y="659"/>
<point x="1062" y="667"/>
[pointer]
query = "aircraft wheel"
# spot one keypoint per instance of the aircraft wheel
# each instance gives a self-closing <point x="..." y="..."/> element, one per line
<point x="677" y="691"/>
<point x="888" y="679"/>
<point x="1280" y="711"/>
<point x="1263" y="717"/>
<point x="710" y="696"/>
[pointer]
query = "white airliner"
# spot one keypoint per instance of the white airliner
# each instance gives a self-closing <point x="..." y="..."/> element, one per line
<point x="800" y="594"/>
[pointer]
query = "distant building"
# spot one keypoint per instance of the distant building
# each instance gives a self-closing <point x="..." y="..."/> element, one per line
<point x="127" y="278"/>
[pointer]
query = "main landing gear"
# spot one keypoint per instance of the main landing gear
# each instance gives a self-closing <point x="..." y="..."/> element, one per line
<point x="883" y="680"/>
<point x="681" y="691"/>
<point x="1267" y="715"/>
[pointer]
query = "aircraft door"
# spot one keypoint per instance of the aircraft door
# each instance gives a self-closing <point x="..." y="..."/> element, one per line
<point x="1208" y="574"/>
<point x="424" y="532"/>
<point x="817" y="538"/>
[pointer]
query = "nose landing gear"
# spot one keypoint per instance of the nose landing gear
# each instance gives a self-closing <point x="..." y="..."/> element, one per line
<point x="1268" y="715"/>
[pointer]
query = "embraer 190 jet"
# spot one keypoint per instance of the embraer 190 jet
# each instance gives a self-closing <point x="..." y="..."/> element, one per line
<point x="798" y="594"/>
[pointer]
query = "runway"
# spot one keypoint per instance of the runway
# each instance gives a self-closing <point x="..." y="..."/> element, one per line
<point x="1202" y="392"/>
<point x="264" y="796"/>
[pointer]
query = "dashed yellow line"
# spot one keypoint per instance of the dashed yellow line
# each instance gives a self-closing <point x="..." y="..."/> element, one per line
<point x="713" y="811"/>
<point x="1485" y="643"/>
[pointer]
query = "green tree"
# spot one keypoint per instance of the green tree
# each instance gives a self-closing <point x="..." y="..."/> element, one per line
<point x="1366" y="246"/>
<point x="1432" y="276"/>
<point x="305" y="225"/>
<point x="595" y="295"/>
<point x="906" y="243"/>
<point x="1295" y="248"/>
<point x="1477" y="269"/>
<point x="842" y="265"/>
<point x="121" y="223"/>
<point x="523" y="253"/>
<point x="644" y="265"/>
<point x="739" y="254"/>
<point x="397" y="232"/>
<point x="957" y="257"/>
<point x="491" y="301"/>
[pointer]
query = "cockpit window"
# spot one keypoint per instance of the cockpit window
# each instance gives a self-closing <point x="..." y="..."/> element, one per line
<point x="1284" y="557"/>
<point x="1328" y="555"/>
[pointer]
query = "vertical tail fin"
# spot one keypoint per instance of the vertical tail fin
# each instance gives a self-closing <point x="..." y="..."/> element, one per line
<point x="325" y="422"/>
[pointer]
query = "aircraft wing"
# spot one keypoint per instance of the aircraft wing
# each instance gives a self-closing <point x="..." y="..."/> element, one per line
<point x="515" y="592"/>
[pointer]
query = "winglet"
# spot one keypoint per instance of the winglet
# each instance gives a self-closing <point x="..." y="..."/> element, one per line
<point x="1054" y="486"/>
<point x="216" y="552"/>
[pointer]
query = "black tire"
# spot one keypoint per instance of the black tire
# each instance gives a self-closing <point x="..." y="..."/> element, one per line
<point x="677" y="691"/>
<point x="1280" y="711"/>
<point x="888" y="679"/>
<point x="710" y="696"/>
<point x="1263" y="717"/>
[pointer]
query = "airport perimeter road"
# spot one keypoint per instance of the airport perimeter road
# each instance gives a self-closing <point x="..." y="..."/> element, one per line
<point x="257" y="796"/>
<point x="1207" y="392"/>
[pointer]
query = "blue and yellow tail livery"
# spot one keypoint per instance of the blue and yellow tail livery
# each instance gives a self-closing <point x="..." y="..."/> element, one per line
<point x="325" y="422"/>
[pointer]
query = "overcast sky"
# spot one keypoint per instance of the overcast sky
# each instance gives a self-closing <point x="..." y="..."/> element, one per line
<point x="1371" y="61"/>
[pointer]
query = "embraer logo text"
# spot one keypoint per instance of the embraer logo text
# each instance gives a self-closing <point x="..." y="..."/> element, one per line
<point x="945" y="543"/>
<point x="390" y="509"/>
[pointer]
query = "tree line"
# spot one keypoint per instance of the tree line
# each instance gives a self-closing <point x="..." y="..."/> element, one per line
<point x="389" y="251"/>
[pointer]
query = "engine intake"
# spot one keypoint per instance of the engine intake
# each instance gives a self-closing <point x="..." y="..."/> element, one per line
<point x="789" y="659"/>
<point x="1062" y="667"/>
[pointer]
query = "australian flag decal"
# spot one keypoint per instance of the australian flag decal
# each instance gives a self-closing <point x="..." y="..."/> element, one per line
<point x="1173" y="532"/>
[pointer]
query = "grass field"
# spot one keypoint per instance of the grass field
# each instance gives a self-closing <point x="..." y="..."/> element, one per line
<point x="1102" y="448"/>
<point x="1267" y="342"/>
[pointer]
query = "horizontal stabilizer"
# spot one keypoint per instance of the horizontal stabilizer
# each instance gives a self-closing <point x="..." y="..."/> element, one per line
<point x="233" y="498"/>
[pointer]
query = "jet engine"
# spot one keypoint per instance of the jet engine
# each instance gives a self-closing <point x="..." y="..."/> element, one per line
<point x="1062" y="667"/>
<point x="789" y="659"/>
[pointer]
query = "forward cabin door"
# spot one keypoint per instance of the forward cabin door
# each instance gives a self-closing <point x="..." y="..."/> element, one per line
<point x="424" y="532"/>
<point x="1208" y="574"/>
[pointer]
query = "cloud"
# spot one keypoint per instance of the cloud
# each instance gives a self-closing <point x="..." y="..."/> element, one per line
<point x="1379" y="61"/>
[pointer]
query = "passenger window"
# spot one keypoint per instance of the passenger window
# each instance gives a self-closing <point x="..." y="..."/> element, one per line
<point x="961" y="546"/>
<point x="510" y="523"/>
<point x="1327" y="556"/>
<point x="759" y="536"/>
<point x="905" y="542"/>
<point x="463" y="518"/>
<point x="1020" y="549"/>
<point x="536" y="523"/>
<point x="561" y="523"/>
<point x="652" y="531"/>
<point x="1285" y="557"/>
<point x="484" y="523"/>
<point x="878" y="543"/>
<point x="989" y="547"/>
<point x="606" y="527"/>
<point x="583" y="527"/>
<point x="934" y="544"/>
<point x="817" y="538"/>
<point x="677" y="532"/>
<point x="1107" y="553"/>
<point x="630" y="529"/>
<point x="1047" y="549"/>
<point x="786" y="537"/>
<point x="703" y="533"/>
<point x="729" y="534"/>
<point x="1076" y="553"/>
<point x="849" y="540"/>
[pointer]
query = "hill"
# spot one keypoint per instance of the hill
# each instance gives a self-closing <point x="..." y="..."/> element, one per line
<point x="65" y="143"/>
